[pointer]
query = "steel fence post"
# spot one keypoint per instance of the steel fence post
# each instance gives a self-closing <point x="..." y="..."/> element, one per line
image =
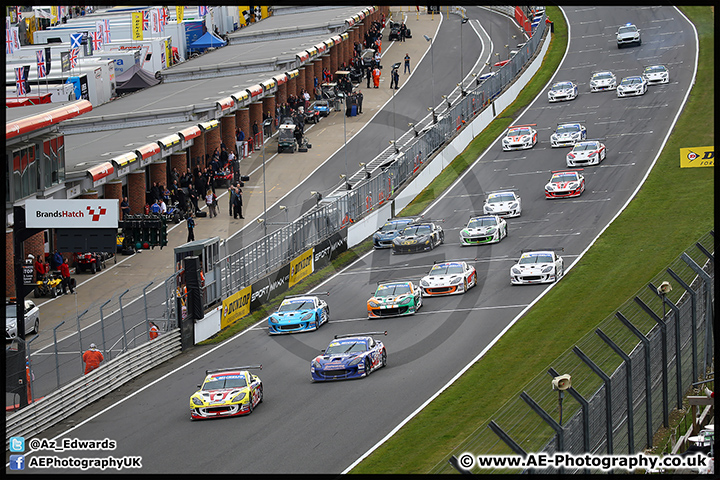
<point x="57" y="362"/>
<point x="585" y="405"/>
<point x="122" y="320"/>
<point x="102" y="329"/>
<point x="663" y="333"/>
<point x="693" y="318"/>
<point x="30" y="373"/>
<point x="678" y="346"/>
<point x="608" y="395"/>
<point x="550" y="421"/>
<point x="709" y="312"/>
<point x="80" y="337"/>
<point x="147" y="319"/>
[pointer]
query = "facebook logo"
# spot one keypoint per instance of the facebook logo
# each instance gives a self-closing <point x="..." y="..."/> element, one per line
<point x="17" y="444"/>
<point x="17" y="462"/>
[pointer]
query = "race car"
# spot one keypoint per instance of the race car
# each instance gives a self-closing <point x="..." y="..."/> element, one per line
<point x="656" y="74"/>
<point x="226" y="392"/>
<point x="520" y="137"/>
<point x="482" y="229"/>
<point x="628" y="34"/>
<point x="353" y="355"/>
<point x="32" y="318"/>
<point x="298" y="313"/>
<point x="604" y="80"/>
<point x="591" y="152"/>
<point x="630" y="86"/>
<point x="384" y="236"/>
<point x="484" y="77"/>
<point x="565" y="183"/>
<point x="562" y="91"/>
<point x="504" y="203"/>
<point x="568" y="134"/>
<point x="418" y="237"/>
<point x="537" y="266"/>
<point x="92" y="261"/>
<point x="394" y="299"/>
<point x="448" y="278"/>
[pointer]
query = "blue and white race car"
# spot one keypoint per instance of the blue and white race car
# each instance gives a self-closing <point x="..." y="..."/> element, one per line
<point x="386" y="234"/>
<point x="354" y="355"/>
<point x="298" y="313"/>
<point x="568" y="134"/>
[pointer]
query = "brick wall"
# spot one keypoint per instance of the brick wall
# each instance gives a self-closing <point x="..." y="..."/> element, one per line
<point x="136" y="192"/>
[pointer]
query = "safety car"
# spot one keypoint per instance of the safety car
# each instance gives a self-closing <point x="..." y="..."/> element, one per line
<point x="504" y="203"/>
<point x="628" y="34"/>
<point x="537" y="266"/>
<point x="448" y="278"/>
<point x="590" y="152"/>
<point x="562" y="91"/>
<point x="520" y="137"/>
<point x="384" y="236"/>
<point x="418" y="237"/>
<point x="656" y="74"/>
<point x="604" y="80"/>
<point x="226" y="392"/>
<point x="565" y="183"/>
<point x="353" y="355"/>
<point x="394" y="299"/>
<point x="298" y="313"/>
<point x="631" y="86"/>
<point x="483" y="229"/>
<point x="568" y="134"/>
<point x="32" y="318"/>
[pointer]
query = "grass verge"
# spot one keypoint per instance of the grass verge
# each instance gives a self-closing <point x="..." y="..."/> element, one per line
<point x="630" y="252"/>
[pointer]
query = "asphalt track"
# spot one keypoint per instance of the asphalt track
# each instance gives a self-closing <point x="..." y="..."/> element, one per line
<point x="303" y="427"/>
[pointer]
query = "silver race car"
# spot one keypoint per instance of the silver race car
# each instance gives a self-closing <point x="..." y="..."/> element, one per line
<point x="562" y="91"/>
<point x="630" y="86"/>
<point x="591" y="152"/>
<point x="537" y="266"/>
<point x="656" y="74"/>
<point x="604" y="80"/>
<point x="505" y="203"/>
<point x="568" y="134"/>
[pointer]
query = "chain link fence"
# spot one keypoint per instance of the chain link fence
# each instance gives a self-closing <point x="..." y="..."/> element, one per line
<point x="633" y="369"/>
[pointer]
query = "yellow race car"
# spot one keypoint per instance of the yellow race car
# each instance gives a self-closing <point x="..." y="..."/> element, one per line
<point x="226" y="392"/>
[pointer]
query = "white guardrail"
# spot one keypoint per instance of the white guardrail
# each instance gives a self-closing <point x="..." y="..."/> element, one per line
<point x="73" y="397"/>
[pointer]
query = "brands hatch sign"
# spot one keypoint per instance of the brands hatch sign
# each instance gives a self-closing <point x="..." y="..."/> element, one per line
<point x="61" y="213"/>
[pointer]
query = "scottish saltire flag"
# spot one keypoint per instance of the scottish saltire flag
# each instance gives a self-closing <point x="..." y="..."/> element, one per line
<point x="75" y="40"/>
<point x="74" y="57"/>
<point x="97" y="41"/>
<point x="202" y="11"/>
<point x="106" y="31"/>
<point x="146" y="20"/>
<point x="42" y="72"/>
<point x="23" y="88"/>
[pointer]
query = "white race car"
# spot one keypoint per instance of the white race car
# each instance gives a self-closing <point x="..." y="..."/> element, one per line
<point x="591" y="152"/>
<point x="505" y="203"/>
<point x="562" y="91"/>
<point x="519" y="137"/>
<point x="482" y="229"/>
<point x="537" y="266"/>
<point x="565" y="183"/>
<point x="604" y="80"/>
<point x="656" y="74"/>
<point x="448" y="278"/>
<point x="568" y="134"/>
<point x="629" y="86"/>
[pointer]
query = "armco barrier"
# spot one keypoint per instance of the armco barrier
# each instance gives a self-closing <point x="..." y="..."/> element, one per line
<point x="80" y="393"/>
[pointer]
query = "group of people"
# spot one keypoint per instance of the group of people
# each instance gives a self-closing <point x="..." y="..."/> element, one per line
<point x="58" y="263"/>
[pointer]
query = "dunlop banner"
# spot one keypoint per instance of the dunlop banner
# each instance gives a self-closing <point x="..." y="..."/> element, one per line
<point x="235" y="307"/>
<point x="301" y="267"/>
<point x="697" y="157"/>
<point x="137" y="29"/>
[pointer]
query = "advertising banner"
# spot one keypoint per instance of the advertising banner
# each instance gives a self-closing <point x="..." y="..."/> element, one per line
<point x="301" y="266"/>
<point x="270" y="287"/>
<point x="63" y="213"/>
<point x="137" y="26"/>
<point x="697" y="157"/>
<point x="235" y="307"/>
<point x="327" y="250"/>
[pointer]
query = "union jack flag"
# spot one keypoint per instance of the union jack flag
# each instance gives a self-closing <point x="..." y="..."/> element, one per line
<point x="74" y="57"/>
<point x="23" y="88"/>
<point x="9" y="45"/>
<point x="202" y="11"/>
<point x="146" y="20"/>
<point x="42" y="72"/>
<point x="97" y="40"/>
<point x="106" y="31"/>
<point x="164" y="16"/>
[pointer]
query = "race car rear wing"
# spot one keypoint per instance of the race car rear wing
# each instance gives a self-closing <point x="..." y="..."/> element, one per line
<point x="500" y="190"/>
<point x="218" y="370"/>
<point x="568" y="170"/>
<point x="360" y="334"/>
<point x="518" y="126"/>
<point x="307" y="294"/>
<point x="553" y="249"/>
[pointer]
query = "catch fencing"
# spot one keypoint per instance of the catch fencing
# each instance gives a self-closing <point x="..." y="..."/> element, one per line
<point x="627" y="375"/>
<point x="380" y="178"/>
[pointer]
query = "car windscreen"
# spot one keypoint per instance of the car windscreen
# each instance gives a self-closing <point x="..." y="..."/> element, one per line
<point x="392" y="290"/>
<point x="420" y="230"/>
<point x="622" y="30"/>
<point x="562" y="129"/>
<point x="569" y="177"/>
<point x="354" y="346"/>
<point x="390" y="226"/>
<point x="446" y="269"/>
<point x="226" y="381"/>
<point x="630" y="80"/>
<point x="582" y="147"/>
<point x="602" y="76"/>
<point x="506" y="197"/>
<point x="655" y="69"/>
<point x="561" y="86"/>
<point x="482" y="222"/>
<point x="518" y="131"/>
<point x="10" y="311"/>
<point x="292" y="306"/>
<point x="542" y="258"/>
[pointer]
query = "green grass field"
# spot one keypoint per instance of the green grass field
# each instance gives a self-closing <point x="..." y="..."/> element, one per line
<point x="654" y="229"/>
